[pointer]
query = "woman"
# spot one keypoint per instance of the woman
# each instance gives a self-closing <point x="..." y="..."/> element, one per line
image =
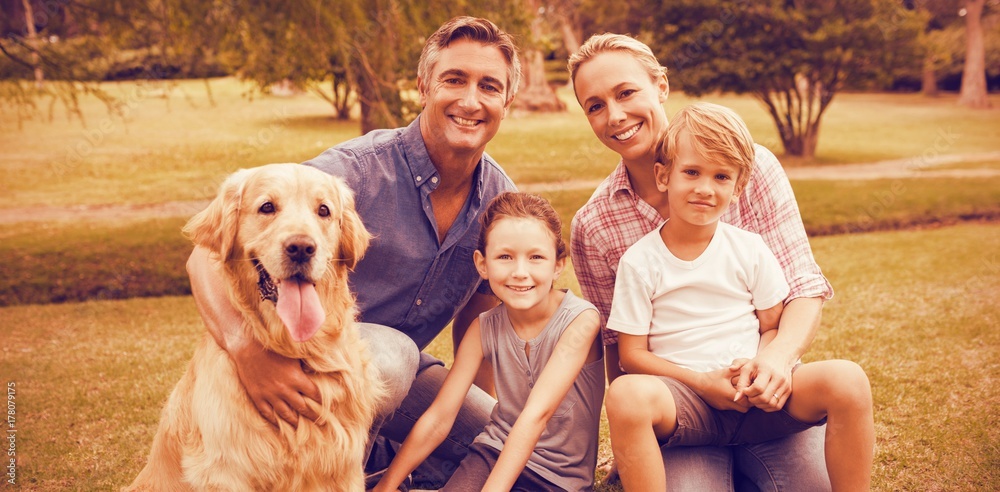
<point x="622" y="87"/>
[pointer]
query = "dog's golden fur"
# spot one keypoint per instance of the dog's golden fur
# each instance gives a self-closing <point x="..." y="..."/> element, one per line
<point x="211" y="437"/>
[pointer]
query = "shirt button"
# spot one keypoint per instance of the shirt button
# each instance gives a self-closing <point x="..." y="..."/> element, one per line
<point x="420" y="178"/>
<point x="420" y="301"/>
<point x="531" y="385"/>
<point x="434" y="179"/>
<point x="527" y="373"/>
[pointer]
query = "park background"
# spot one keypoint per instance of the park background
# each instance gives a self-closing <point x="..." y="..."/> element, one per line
<point x="120" y="119"/>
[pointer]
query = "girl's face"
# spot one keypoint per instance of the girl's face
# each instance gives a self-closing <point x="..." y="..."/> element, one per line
<point x="520" y="262"/>
<point x="623" y="104"/>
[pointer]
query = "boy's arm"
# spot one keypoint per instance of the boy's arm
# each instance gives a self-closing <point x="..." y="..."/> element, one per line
<point x="715" y="387"/>
<point x="276" y="385"/>
<point x="553" y="384"/>
<point x="768" y="319"/>
<point x="433" y="426"/>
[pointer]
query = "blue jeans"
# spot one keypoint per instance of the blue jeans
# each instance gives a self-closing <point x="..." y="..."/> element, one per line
<point x="796" y="462"/>
<point x="413" y="379"/>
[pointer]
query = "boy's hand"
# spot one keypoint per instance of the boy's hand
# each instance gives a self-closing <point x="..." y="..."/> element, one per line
<point x="766" y="385"/>
<point x="716" y="388"/>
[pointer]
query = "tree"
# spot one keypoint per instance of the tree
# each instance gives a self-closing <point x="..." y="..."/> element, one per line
<point x="791" y="55"/>
<point x="973" y="92"/>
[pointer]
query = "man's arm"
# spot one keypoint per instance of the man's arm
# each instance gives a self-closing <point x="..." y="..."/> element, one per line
<point x="277" y="385"/>
<point x="479" y="303"/>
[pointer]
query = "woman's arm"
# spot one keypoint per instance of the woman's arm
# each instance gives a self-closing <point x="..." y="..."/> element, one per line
<point x="433" y="426"/>
<point x="571" y="353"/>
<point x="277" y="385"/>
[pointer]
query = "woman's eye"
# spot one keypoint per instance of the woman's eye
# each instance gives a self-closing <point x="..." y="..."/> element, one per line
<point x="267" y="208"/>
<point x="593" y="108"/>
<point x="323" y="211"/>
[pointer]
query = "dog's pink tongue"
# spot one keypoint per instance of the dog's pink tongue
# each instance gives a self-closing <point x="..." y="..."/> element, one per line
<point x="299" y="308"/>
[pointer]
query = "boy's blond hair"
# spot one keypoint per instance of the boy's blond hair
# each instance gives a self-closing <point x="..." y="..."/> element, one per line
<point x="717" y="134"/>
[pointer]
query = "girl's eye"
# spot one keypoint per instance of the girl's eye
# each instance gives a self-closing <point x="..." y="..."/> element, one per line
<point x="537" y="257"/>
<point x="323" y="211"/>
<point x="267" y="208"/>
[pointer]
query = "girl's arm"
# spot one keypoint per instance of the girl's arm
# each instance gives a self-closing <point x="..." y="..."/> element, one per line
<point x="568" y="358"/>
<point x="433" y="426"/>
<point x="715" y="387"/>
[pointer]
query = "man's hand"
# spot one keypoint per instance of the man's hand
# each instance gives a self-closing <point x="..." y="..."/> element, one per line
<point x="716" y="388"/>
<point x="765" y="380"/>
<point x="277" y="386"/>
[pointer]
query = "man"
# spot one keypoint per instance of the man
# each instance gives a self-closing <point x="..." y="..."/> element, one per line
<point x="419" y="190"/>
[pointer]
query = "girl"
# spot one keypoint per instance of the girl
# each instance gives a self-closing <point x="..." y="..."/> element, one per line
<point x="548" y="372"/>
<point x="622" y="87"/>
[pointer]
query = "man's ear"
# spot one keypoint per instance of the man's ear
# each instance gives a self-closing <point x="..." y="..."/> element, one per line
<point x="422" y="92"/>
<point x="662" y="176"/>
<point x="480" y="261"/>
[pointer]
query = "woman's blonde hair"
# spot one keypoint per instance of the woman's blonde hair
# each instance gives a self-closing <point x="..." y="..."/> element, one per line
<point x="601" y="43"/>
<point x="716" y="133"/>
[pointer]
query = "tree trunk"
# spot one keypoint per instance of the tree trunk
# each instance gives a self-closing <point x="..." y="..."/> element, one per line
<point x="973" y="92"/>
<point x="29" y="21"/>
<point x="535" y="93"/>
<point x="928" y="85"/>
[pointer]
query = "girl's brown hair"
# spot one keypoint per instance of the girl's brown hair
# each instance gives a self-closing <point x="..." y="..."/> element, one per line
<point x="522" y="206"/>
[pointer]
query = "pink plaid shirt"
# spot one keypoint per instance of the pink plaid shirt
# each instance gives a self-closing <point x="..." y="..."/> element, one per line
<point x="615" y="218"/>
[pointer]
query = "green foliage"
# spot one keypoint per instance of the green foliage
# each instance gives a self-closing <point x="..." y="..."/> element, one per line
<point x="792" y="56"/>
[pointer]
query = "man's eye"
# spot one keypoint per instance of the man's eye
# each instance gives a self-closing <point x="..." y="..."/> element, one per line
<point x="266" y="208"/>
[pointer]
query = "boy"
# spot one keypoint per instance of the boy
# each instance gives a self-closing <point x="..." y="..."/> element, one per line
<point x="695" y="299"/>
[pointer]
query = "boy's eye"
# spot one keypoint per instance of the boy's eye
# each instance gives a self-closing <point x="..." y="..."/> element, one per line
<point x="690" y="172"/>
<point x="722" y="177"/>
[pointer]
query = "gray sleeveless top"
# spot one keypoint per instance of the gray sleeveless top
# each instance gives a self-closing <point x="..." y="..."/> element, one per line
<point x="566" y="453"/>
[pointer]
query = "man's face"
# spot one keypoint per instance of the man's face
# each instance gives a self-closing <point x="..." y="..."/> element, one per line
<point x="465" y="99"/>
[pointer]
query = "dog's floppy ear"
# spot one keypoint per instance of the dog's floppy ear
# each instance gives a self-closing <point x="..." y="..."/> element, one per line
<point x="354" y="236"/>
<point x="215" y="227"/>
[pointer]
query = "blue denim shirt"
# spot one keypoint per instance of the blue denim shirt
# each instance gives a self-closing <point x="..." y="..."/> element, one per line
<point x="407" y="280"/>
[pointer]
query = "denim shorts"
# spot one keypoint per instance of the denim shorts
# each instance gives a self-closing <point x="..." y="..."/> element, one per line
<point x="699" y="424"/>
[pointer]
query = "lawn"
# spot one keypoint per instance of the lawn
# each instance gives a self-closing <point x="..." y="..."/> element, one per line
<point x="174" y="144"/>
<point x="916" y="307"/>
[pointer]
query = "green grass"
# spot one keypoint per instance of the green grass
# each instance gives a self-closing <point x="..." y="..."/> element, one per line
<point x="915" y="308"/>
<point x="180" y="147"/>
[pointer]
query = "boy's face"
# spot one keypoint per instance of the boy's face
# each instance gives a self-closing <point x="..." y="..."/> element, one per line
<point x="698" y="191"/>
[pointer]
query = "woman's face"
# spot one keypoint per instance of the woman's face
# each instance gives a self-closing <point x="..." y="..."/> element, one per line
<point x="623" y="104"/>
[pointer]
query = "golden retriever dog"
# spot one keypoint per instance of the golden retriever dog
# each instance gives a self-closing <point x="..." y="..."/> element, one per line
<point x="286" y="235"/>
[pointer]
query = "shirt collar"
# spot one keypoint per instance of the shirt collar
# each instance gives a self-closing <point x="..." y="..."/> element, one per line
<point x="619" y="181"/>
<point x="422" y="169"/>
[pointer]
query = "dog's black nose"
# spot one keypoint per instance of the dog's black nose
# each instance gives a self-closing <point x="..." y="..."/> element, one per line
<point x="300" y="248"/>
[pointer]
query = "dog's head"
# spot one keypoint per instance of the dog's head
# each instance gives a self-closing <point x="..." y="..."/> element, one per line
<point x="291" y="227"/>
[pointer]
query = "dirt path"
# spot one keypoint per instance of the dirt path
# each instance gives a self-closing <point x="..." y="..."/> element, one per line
<point x="922" y="167"/>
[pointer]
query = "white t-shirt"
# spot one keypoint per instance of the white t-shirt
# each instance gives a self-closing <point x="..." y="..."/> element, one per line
<point x="698" y="314"/>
